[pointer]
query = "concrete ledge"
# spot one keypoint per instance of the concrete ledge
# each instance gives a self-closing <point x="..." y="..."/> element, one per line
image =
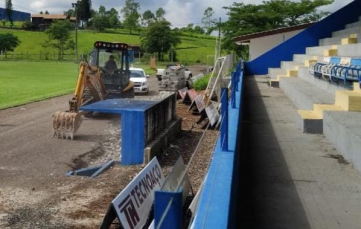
<point x="302" y="58"/>
<point x="162" y="140"/>
<point x="320" y="83"/>
<point x="318" y="50"/>
<point x="303" y="94"/>
<point x="274" y="83"/>
<point x="309" y="122"/>
<point x="349" y="100"/>
<point x="352" y="50"/>
<point x="274" y="72"/>
<point x="347" y="31"/>
<point x="343" y="129"/>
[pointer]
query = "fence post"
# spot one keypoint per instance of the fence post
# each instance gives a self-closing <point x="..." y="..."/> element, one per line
<point x="224" y="123"/>
<point x="233" y="95"/>
<point x="168" y="209"/>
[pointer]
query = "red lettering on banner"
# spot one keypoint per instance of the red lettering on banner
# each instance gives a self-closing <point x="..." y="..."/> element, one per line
<point x="145" y="184"/>
<point x="138" y="194"/>
<point x="133" y="194"/>
<point x="127" y="207"/>
<point x="140" y="189"/>
<point x="149" y="181"/>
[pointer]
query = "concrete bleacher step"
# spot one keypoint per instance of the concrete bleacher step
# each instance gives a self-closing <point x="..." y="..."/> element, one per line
<point x="343" y="129"/>
<point x="303" y="94"/>
<point x="292" y="72"/>
<point x="274" y="72"/>
<point x="353" y="25"/>
<point x="346" y="32"/>
<point x="328" y="50"/>
<point x="311" y="121"/>
<point x="291" y="65"/>
<point x="350" y="50"/>
<point x="331" y="88"/>
<point x="340" y="40"/>
<point x="302" y="58"/>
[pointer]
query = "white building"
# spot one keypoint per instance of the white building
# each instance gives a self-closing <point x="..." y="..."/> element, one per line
<point x="261" y="42"/>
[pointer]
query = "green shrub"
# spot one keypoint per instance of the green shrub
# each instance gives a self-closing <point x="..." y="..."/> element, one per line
<point x="202" y="83"/>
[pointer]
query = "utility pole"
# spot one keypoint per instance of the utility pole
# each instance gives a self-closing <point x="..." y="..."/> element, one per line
<point x="219" y="37"/>
<point x="218" y="43"/>
<point x="75" y="6"/>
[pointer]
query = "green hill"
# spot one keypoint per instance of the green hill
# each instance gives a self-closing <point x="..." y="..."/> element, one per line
<point x="192" y="49"/>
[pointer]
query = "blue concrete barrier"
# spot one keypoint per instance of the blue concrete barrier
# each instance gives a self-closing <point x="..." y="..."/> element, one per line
<point x="141" y="121"/>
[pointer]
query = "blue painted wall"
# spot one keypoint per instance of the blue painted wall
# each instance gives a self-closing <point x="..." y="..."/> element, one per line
<point x="307" y="38"/>
<point x="17" y="15"/>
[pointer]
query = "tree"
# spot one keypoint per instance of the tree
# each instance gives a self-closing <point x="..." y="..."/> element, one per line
<point x="159" y="14"/>
<point x="84" y="10"/>
<point x="113" y="18"/>
<point x="102" y="10"/>
<point x="148" y="17"/>
<point x="70" y="13"/>
<point x="198" y="29"/>
<point x="41" y="12"/>
<point x="8" y="42"/>
<point x="46" y="12"/>
<point x="159" y="38"/>
<point x="249" y="18"/>
<point x="131" y="15"/>
<point x="208" y="21"/>
<point x="9" y="11"/>
<point x="100" y="22"/>
<point x="59" y="36"/>
<point x="27" y="25"/>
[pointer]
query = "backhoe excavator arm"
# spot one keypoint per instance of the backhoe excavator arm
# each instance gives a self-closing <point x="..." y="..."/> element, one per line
<point x="89" y="89"/>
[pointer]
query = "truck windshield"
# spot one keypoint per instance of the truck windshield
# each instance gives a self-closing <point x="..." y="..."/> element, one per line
<point x="110" y="60"/>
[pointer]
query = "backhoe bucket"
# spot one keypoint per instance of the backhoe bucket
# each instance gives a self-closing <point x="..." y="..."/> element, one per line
<point x="66" y="123"/>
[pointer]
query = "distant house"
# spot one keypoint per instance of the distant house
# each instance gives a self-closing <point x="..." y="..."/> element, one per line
<point x="17" y="15"/>
<point x="43" y="21"/>
<point x="262" y="42"/>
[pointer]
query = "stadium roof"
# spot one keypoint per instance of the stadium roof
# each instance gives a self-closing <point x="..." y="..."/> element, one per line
<point x="246" y="38"/>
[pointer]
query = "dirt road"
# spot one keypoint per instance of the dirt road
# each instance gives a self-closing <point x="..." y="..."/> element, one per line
<point x="33" y="165"/>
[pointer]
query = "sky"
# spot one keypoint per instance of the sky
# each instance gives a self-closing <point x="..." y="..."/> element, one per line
<point x="179" y="12"/>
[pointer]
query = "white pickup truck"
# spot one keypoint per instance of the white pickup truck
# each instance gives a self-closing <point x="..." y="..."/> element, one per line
<point x="187" y="72"/>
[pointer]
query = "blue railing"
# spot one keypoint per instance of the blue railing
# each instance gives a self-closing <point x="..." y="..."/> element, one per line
<point x="215" y="205"/>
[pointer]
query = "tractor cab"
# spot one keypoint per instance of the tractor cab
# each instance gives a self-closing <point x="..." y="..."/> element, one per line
<point x="112" y="59"/>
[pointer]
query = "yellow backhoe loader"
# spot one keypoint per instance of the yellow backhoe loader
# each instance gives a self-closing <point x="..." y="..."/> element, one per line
<point x="105" y="76"/>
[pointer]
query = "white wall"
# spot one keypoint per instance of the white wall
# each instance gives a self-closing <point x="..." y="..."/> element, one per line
<point x="258" y="46"/>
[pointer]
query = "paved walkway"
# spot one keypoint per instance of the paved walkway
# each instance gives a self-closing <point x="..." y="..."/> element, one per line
<point x="294" y="180"/>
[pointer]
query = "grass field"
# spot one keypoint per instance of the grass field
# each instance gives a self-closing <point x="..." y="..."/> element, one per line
<point x="23" y="82"/>
<point x="192" y="49"/>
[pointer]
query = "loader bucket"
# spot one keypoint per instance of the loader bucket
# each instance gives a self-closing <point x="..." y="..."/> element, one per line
<point x="66" y="123"/>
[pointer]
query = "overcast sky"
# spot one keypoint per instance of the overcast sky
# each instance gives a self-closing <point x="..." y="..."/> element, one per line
<point x="178" y="12"/>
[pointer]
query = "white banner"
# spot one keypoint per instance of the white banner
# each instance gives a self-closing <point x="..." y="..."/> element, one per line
<point x="135" y="201"/>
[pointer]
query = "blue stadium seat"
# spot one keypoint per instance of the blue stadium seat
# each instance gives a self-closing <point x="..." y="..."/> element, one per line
<point x="348" y="74"/>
